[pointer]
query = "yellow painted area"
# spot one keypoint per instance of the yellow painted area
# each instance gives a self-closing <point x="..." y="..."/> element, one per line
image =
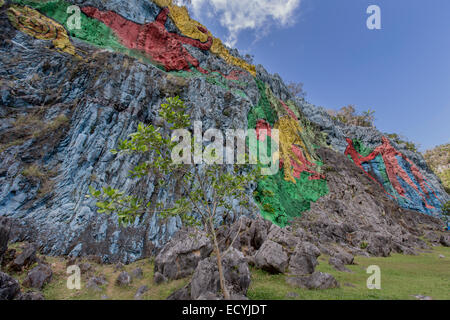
<point x="290" y="134"/>
<point x="189" y="28"/>
<point x="40" y="27"/>
<point x="2" y="2"/>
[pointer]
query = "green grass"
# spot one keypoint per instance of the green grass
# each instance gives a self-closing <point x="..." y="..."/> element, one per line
<point x="57" y="288"/>
<point x="402" y="277"/>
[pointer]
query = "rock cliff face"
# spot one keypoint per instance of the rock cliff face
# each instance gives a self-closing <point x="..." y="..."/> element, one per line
<point x="68" y="95"/>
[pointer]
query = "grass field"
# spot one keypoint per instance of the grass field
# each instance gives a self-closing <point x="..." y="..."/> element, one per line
<point x="402" y="277"/>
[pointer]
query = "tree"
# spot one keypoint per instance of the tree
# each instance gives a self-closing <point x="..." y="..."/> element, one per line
<point x="296" y="89"/>
<point x="348" y="115"/>
<point x="205" y="190"/>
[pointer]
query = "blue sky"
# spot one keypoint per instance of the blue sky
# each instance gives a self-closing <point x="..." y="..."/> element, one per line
<point x="401" y="71"/>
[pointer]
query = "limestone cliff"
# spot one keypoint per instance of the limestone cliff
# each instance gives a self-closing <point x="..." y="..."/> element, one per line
<point x="68" y="95"/>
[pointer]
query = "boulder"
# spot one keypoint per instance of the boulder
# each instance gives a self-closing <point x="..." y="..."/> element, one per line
<point x="181" y="294"/>
<point x="124" y="279"/>
<point x="379" y="246"/>
<point x="345" y="257"/>
<point x="271" y="257"/>
<point x="338" y="264"/>
<point x="432" y="236"/>
<point x="247" y="235"/>
<point x="94" y="283"/>
<point x="119" y="267"/>
<point x="318" y="280"/>
<point x="137" y="273"/>
<point x="140" y="292"/>
<point x="179" y="258"/>
<point x="236" y="273"/>
<point x="445" y="240"/>
<point x="8" y="257"/>
<point x="158" y="278"/>
<point x="38" y="277"/>
<point x="304" y="259"/>
<point x="25" y="259"/>
<point x="4" y="237"/>
<point x="31" y="296"/>
<point x="9" y="287"/>
<point x="85" y="267"/>
<point x="209" y="296"/>
<point x="284" y="237"/>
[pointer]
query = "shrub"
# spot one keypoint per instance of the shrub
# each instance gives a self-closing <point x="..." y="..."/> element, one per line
<point x="349" y="116"/>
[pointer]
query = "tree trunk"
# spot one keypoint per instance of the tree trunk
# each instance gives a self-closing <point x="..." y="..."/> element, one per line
<point x="226" y="294"/>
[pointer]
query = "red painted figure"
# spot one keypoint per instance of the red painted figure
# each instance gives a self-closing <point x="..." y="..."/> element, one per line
<point x="394" y="170"/>
<point x="163" y="46"/>
<point x="358" y="160"/>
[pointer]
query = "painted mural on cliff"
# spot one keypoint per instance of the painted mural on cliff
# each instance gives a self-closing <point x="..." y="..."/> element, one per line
<point x="289" y="193"/>
<point x="399" y="176"/>
<point x="108" y="29"/>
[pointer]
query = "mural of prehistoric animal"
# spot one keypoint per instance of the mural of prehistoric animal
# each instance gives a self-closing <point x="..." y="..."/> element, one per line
<point x="284" y="196"/>
<point x="40" y="27"/>
<point x="163" y="46"/>
<point x="108" y="29"/>
<point x="397" y="174"/>
<point x="189" y="27"/>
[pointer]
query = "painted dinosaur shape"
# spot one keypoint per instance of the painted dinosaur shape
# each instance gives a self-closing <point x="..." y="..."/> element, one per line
<point x="154" y="39"/>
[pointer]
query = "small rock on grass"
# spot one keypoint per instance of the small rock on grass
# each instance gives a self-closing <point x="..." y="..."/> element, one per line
<point x="140" y="292"/>
<point x="124" y="279"/>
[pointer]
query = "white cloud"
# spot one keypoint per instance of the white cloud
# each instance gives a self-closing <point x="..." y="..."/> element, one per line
<point x="238" y="15"/>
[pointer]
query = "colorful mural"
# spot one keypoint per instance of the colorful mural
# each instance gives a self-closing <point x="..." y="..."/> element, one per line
<point x="40" y="27"/>
<point x="108" y="29"/>
<point x="399" y="176"/>
<point x="161" y="45"/>
<point x="284" y="196"/>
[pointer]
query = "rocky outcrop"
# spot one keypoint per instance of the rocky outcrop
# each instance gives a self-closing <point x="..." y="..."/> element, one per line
<point x="318" y="280"/>
<point x="272" y="257"/>
<point x="180" y="257"/>
<point x="38" y="277"/>
<point x="205" y="283"/>
<point x="4" y="237"/>
<point x="9" y="287"/>
<point x="124" y="279"/>
<point x="66" y="101"/>
<point x="25" y="259"/>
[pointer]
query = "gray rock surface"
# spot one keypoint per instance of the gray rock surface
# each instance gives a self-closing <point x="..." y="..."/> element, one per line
<point x="9" y="287"/>
<point x="103" y="102"/>
<point x="140" y="292"/>
<point x="271" y="257"/>
<point x="304" y="259"/>
<point x="205" y="283"/>
<point x="38" y="277"/>
<point x="124" y="279"/>
<point x="180" y="257"/>
<point x="318" y="280"/>
<point x="25" y="259"/>
<point x="158" y="278"/>
<point x="338" y="264"/>
<point x="4" y="237"/>
<point x="31" y="296"/>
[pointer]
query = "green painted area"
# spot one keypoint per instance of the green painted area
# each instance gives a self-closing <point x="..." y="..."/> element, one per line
<point x="361" y="148"/>
<point x="262" y="110"/>
<point x="281" y="201"/>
